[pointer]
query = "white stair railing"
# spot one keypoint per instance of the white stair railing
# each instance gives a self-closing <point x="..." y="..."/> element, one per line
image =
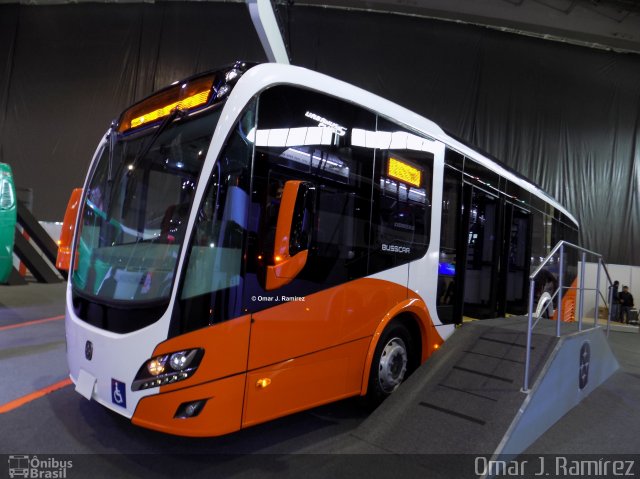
<point x="547" y="299"/>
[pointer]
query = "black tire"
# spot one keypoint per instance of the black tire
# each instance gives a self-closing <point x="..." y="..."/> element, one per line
<point x="390" y="367"/>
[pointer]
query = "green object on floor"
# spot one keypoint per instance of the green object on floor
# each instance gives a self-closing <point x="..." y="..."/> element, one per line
<point x="8" y="213"/>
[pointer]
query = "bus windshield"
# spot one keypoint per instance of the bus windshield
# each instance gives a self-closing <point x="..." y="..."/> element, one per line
<point x="134" y="218"/>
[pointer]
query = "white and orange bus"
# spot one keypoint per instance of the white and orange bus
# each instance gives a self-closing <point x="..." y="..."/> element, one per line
<point x="264" y="239"/>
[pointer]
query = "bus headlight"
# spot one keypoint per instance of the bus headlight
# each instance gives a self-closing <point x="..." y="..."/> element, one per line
<point x="156" y="366"/>
<point x="182" y="360"/>
<point x="167" y="369"/>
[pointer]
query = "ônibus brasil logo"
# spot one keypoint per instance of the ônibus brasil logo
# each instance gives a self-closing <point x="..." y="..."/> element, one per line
<point x="33" y="467"/>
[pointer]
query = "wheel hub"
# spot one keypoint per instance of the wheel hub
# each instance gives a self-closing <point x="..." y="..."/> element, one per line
<point x="393" y="365"/>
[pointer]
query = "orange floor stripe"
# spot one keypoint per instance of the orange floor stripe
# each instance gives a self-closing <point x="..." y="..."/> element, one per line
<point x="31" y="323"/>
<point x="16" y="403"/>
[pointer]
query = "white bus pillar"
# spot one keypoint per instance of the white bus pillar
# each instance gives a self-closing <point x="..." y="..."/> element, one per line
<point x="264" y="19"/>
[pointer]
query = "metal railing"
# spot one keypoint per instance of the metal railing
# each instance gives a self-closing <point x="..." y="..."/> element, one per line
<point x="560" y="248"/>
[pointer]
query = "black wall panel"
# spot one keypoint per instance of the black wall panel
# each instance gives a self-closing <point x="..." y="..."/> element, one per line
<point x="67" y="70"/>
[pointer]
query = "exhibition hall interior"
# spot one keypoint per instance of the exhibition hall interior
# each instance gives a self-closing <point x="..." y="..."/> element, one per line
<point x="286" y="238"/>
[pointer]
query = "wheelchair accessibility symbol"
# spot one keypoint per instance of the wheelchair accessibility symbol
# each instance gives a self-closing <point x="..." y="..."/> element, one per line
<point x="118" y="393"/>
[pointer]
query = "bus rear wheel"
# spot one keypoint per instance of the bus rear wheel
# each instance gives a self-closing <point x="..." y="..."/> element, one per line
<point x="391" y="363"/>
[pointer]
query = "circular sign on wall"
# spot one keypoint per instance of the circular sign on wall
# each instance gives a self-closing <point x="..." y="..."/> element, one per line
<point x="585" y="359"/>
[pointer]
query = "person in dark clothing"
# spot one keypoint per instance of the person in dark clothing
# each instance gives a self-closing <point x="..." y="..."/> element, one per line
<point x="626" y="303"/>
<point x="613" y="298"/>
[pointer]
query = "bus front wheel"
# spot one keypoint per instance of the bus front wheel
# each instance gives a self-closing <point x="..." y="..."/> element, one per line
<point x="391" y="363"/>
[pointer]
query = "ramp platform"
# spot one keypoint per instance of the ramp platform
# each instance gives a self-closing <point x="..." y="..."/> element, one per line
<point x="468" y="397"/>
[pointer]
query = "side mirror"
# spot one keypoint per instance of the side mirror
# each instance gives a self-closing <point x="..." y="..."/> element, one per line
<point x="63" y="261"/>
<point x="293" y="233"/>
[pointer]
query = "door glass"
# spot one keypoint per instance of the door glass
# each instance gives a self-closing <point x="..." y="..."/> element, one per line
<point x="518" y="258"/>
<point x="307" y="136"/>
<point x="211" y="291"/>
<point x="482" y="267"/>
<point x="449" y="239"/>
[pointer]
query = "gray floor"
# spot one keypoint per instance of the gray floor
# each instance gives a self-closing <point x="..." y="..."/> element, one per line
<point x="608" y="420"/>
<point x="315" y="443"/>
<point x="32" y="357"/>
<point x="29" y="302"/>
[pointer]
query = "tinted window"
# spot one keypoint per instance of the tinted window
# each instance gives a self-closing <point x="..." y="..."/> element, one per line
<point x="307" y="136"/>
<point x="449" y="244"/>
<point x="538" y="240"/>
<point x="517" y="242"/>
<point x="211" y="291"/>
<point x="453" y="159"/>
<point x="372" y="190"/>
<point x="479" y="175"/>
<point x="517" y="194"/>
<point x="539" y="203"/>
<point x="402" y="198"/>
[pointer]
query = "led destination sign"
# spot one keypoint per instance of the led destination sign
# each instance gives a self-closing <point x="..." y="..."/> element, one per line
<point x="404" y="172"/>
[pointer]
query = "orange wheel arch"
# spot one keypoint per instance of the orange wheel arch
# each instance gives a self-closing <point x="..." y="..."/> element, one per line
<point x="415" y="309"/>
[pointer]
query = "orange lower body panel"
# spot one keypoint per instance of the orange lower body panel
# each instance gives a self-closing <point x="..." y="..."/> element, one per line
<point x="304" y="382"/>
<point x="340" y="325"/>
<point x="221" y="414"/>
<point x="225" y="351"/>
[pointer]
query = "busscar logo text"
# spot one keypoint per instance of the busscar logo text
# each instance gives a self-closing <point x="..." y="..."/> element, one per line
<point x="396" y="249"/>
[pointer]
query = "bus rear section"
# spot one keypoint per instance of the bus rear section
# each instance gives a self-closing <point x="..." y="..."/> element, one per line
<point x="243" y="251"/>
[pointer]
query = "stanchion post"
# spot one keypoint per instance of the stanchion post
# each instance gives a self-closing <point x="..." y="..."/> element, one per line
<point x="560" y="282"/>
<point x="527" y="360"/>
<point x="610" y="295"/>
<point x="583" y="259"/>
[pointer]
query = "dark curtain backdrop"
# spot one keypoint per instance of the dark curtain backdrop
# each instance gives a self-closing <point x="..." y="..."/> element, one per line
<point x="567" y="117"/>
<point x="66" y="71"/>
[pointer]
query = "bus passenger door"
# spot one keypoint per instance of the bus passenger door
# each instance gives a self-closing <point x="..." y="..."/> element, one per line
<point x="516" y="258"/>
<point x="482" y="253"/>
<point x="304" y="327"/>
<point x="452" y="249"/>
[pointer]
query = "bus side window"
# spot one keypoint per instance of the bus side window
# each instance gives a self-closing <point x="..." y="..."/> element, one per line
<point x="307" y="136"/>
<point x="342" y="234"/>
<point x="211" y="291"/>
<point x="401" y="209"/>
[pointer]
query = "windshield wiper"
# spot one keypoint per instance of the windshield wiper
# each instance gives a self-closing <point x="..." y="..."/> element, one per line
<point x="111" y="138"/>
<point x="175" y="113"/>
<point x="132" y="180"/>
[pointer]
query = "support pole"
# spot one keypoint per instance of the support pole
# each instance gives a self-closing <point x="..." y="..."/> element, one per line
<point x="560" y="289"/>
<point x="598" y="297"/>
<point x="583" y="260"/>
<point x="527" y="362"/>
<point x="266" y="24"/>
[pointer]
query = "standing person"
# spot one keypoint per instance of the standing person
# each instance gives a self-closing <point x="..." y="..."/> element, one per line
<point x="626" y="303"/>
<point x="615" y="303"/>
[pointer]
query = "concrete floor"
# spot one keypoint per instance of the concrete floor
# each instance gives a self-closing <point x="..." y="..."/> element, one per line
<point x="315" y="443"/>
<point x="32" y="356"/>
